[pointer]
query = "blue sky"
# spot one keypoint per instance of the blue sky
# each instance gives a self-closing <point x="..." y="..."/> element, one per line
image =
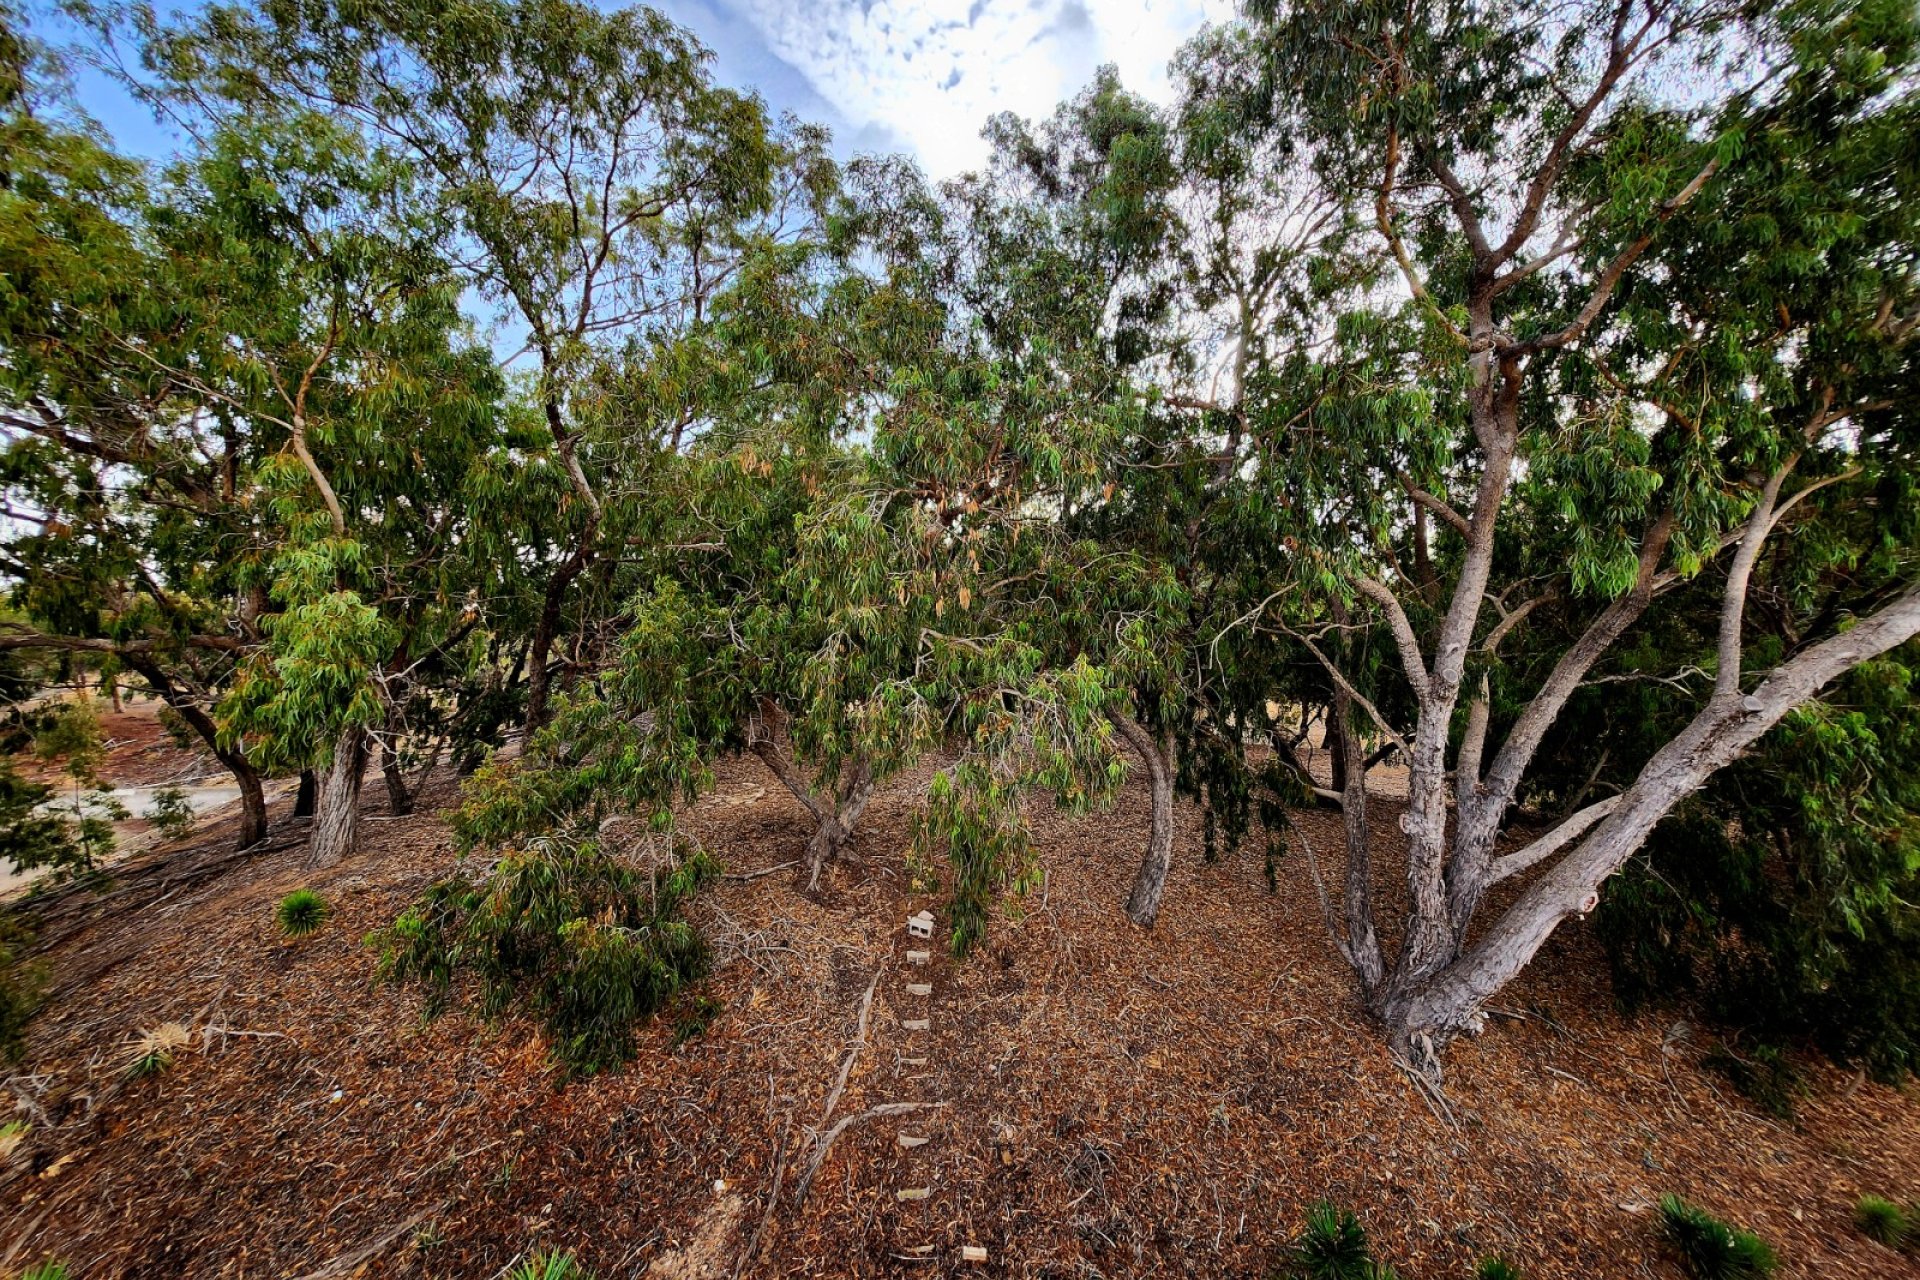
<point x="919" y="76"/>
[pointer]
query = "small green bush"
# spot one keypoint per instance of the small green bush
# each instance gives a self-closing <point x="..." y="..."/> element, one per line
<point x="46" y="1271"/>
<point x="172" y="812"/>
<point x="551" y="1265"/>
<point x="1882" y="1220"/>
<point x="1496" y="1269"/>
<point x="1711" y="1249"/>
<point x="588" y="941"/>
<point x="301" y="912"/>
<point x="1332" y="1246"/>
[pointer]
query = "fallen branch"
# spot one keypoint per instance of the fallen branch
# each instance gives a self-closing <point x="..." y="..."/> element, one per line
<point x="827" y="1139"/>
<point x="346" y="1263"/>
<point x="859" y="1043"/>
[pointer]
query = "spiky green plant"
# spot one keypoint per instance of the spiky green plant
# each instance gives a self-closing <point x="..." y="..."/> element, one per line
<point x="301" y="912"/>
<point x="1711" y="1249"/>
<point x="1496" y="1269"/>
<point x="551" y="1265"/>
<point x="46" y="1271"/>
<point x="1882" y="1220"/>
<point x="1332" y="1246"/>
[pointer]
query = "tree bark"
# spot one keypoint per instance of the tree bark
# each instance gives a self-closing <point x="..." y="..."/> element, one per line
<point x="1422" y="1018"/>
<point x="1150" y="882"/>
<point x="399" y="795"/>
<point x="253" y="801"/>
<point x="336" y="818"/>
<point x="833" y="821"/>
<point x="304" y="797"/>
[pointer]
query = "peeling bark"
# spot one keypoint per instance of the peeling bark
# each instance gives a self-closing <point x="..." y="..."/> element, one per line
<point x="1150" y="882"/>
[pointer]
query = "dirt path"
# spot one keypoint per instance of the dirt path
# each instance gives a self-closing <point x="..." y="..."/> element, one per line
<point x="1117" y="1103"/>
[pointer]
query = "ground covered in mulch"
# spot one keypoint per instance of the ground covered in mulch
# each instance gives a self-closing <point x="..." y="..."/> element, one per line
<point x="1101" y="1101"/>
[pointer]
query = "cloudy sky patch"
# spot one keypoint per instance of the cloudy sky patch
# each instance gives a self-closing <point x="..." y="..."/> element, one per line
<point x="928" y="73"/>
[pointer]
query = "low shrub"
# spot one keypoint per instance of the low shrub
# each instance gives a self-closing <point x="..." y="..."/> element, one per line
<point x="172" y="812"/>
<point x="47" y="1271"/>
<point x="590" y="942"/>
<point x="1766" y="1077"/>
<point x="21" y="984"/>
<point x="301" y="912"/>
<point x="1710" y="1248"/>
<point x="1882" y="1220"/>
<point x="1496" y="1269"/>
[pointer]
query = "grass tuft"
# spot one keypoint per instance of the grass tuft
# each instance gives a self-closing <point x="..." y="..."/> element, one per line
<point x="1496" y="1269"/>
<point x="47" y="1271"/>
<point x="1711" y="1249"/>
<point x="153" y="1051"/>
<point x="550" y="1265"/>
<point x="301" y="913"/>
<point x="1882" y="1220"/>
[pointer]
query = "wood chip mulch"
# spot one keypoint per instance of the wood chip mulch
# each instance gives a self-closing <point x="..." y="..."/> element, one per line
<point x="1113" y="1102"/>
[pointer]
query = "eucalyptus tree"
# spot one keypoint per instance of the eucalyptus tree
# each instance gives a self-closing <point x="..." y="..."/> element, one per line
<point x="129" y="535"/>
<point x="243" y="419"/>
<point x="603" y="189"/>
<point x="1634" y="333"/>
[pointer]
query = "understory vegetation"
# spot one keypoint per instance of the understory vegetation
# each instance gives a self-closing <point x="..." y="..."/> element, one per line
<point x="1527" y="404"/>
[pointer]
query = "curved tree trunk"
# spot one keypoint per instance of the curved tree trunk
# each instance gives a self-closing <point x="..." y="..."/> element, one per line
<point x="253" y="801"/>
<point x="336" y="818"/>
<point x="1150" y="882"/>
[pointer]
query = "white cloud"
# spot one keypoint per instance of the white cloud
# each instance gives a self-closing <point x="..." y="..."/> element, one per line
<point x="932" y="71"/>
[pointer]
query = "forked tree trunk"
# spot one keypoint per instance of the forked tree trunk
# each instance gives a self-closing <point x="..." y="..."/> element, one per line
<point x="835" y="816"/>
<point x="1423" y="1018"/>
<point x="1150" y="882"/>
<point x="399" y="793"/>
<point x="336" y="818"/>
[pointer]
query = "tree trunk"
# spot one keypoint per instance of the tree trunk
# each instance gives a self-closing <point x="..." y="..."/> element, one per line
<point x="833" y="822"/>
<point x="304" y="797"/>
<point x="1150" y="882"/>
<point x="253" y="801"/>
<point x="336" y="818"/>
<point x="547" y="629"/>
<point x="1422" y="1017"/>
<point x="399" y="797"/>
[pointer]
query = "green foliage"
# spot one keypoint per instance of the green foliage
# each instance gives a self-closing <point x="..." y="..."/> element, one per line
<point x="33" y="836"/>
<point x="1783" y="891"/>
<point x="301" y="912"/>
<point x="550" y="1264"/>
<point x="695" y="1016"/>
<point x="1496" y="1269"/>
<point x="1882" y="1220"/>
<point x="1331" y="1246"/>
<point x="172" y="812"/>
<point x="587" y="938"/>
<point x="1710" y="1248"/>
<point x="47" y="1271"/>
<point x="21" y="983"/>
